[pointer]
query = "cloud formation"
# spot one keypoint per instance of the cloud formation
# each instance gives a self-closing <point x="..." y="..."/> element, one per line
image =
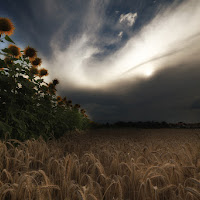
<point x="169" y="38"/>
<point x="147" y="71"/>
<point x="128" y="18"/>
<point x="120" y="34"/>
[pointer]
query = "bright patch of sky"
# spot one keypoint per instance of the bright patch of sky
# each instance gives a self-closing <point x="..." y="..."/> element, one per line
<point x="166" y="39"/>
<point x="128" y="18"/>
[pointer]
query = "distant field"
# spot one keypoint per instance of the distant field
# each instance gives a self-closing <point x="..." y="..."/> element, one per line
<point x="120" y="164"/>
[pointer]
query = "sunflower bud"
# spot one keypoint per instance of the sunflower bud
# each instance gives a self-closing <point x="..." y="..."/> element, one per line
<point x="55" y="82"/>
<point x="82" y="111"/>
<point x="30" y="52"/>
<point x="15" y="51"/>
<point x="51" y="89"/>
<point x="43" y="72"/>
<point x="34" y="70"/>
<point x="36" y="62"/>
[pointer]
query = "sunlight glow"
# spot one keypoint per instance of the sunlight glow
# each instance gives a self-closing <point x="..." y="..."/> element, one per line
<point x="148" y="72"/>
<point x="158" y="44"/>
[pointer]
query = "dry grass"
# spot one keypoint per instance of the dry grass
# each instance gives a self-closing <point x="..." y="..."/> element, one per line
<point x="105" y="165"/>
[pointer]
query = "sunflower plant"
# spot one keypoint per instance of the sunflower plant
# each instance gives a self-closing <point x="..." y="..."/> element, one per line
<point x="29" y="107"/>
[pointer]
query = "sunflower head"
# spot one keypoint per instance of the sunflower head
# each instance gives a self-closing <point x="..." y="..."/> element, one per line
<point x="43" y="72"/>
<point x="82" y="111"/>
<point x="15" y="51"/>
<point x="36" y="62"/>
<point x="59" y="98"/>
<point x="8" y="60"/>
<point x="34" y="70"/>
<point x="55" y="82"/>
<point x="30" y="52"/>
<point x="6" y="26"/>
<point x="51" y="88"/>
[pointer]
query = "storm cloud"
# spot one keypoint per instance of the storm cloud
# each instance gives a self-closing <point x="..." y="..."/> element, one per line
<point x="130" y="60"/>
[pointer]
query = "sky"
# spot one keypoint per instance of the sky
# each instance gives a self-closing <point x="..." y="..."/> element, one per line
<point x="121" y="60"/>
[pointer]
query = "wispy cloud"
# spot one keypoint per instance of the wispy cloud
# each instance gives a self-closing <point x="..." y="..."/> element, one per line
<point x="120" y="34"/>
<point x="128" y="18"/>
<point x="171" y="38"/>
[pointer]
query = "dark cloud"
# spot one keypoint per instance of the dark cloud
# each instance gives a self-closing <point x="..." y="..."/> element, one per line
<point x="80" y="45"/>
<point x="171" y="96"/>
<point x="196" y="104"/>
<point x="38" y="21"/>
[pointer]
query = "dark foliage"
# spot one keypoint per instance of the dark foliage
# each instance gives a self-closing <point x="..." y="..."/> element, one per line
<point x="28" y="105"/>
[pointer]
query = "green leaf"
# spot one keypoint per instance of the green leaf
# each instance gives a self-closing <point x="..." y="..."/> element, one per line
<point x="9" y="39"/>
<point x="6" y="50"/>
<point x="39" y="81"/>
<point x="3" y="54"/>
<point x="2" y="63"/>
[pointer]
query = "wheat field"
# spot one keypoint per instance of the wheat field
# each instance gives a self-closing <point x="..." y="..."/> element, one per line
<point x="126" y="164"/>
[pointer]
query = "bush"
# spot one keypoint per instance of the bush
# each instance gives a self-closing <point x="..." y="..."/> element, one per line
<point x="29" y="106"/>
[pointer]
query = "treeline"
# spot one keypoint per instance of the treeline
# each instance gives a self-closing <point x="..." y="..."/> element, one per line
<point x="147" y="124"/>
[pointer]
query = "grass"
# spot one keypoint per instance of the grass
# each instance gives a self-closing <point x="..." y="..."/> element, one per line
<point x="126" y="164"/>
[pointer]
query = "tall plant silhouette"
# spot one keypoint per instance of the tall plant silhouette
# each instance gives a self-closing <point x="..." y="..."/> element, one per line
<point x="29" y="106"/>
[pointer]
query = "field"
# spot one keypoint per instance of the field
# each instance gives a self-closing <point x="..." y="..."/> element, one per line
<point x="126" y="164"/>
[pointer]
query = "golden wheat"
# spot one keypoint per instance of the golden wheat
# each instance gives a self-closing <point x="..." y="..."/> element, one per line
<point x="105" y="165"/>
